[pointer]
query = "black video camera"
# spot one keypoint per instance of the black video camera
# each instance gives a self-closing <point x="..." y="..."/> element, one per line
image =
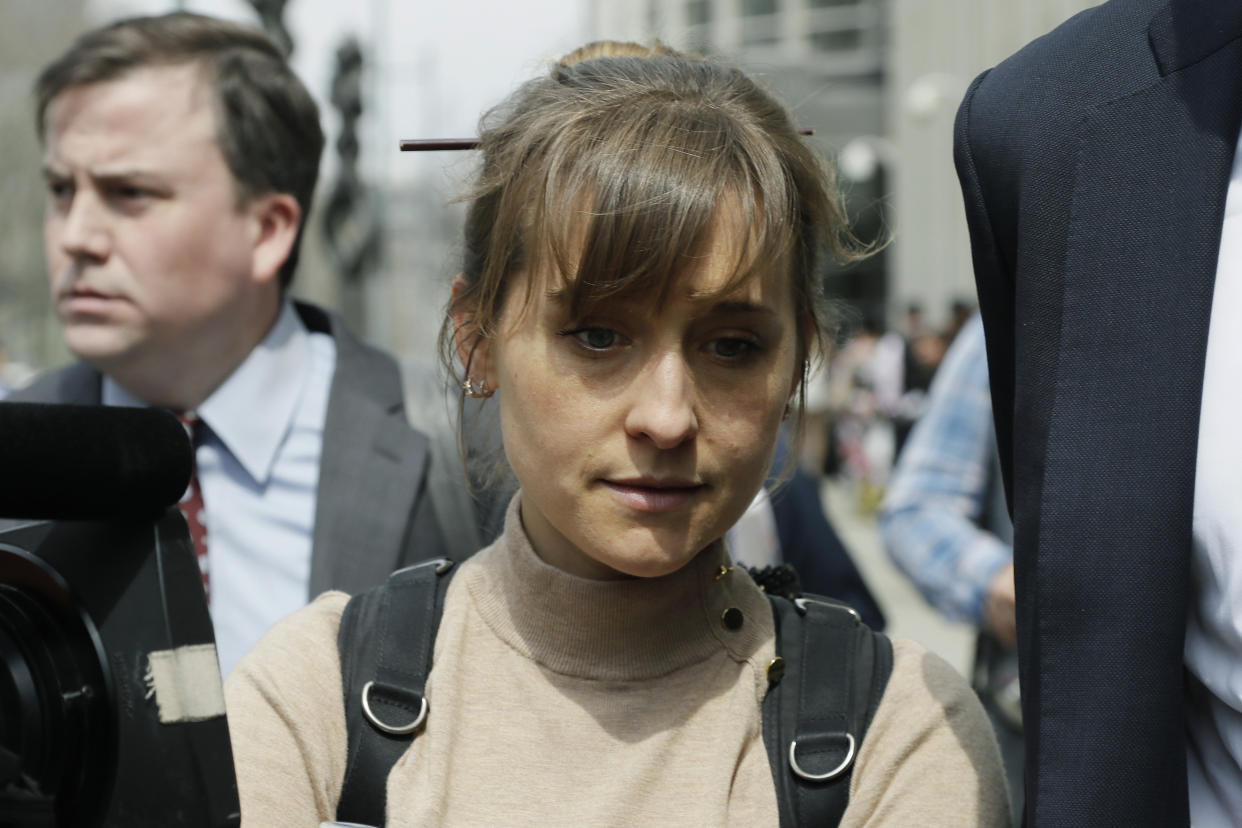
<point x="111" y="707"/>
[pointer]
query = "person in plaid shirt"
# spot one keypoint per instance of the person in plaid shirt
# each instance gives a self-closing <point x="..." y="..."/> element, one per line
<point x="945" y="524"/>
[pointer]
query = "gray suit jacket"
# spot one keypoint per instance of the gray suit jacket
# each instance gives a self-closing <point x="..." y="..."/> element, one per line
<point x="381" y="505"/>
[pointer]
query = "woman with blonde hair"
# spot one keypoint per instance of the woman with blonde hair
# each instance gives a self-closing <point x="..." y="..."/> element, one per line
<point x="639" y="296"/>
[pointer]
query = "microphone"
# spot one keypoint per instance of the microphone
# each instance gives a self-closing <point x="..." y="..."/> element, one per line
<point x="90" y="462"/>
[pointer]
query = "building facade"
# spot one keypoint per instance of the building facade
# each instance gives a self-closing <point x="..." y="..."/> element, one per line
<point x="879" y="81"/>
<point x="824" y="58"/>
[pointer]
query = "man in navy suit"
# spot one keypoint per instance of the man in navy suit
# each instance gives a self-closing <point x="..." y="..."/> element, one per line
<point x="1098" y="166"/>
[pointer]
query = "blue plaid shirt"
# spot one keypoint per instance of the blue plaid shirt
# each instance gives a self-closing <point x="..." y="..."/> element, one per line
<point x="940" y="490"/>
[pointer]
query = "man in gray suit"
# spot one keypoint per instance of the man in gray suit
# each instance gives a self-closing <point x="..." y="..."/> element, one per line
<point x="180" y="155"/>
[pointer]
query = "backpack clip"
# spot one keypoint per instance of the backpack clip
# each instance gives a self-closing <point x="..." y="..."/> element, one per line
<point x="801" y="603"/>
<point x="850" y="746"/>
<point x="442" y="565"/>
<point x="402" y="695"/>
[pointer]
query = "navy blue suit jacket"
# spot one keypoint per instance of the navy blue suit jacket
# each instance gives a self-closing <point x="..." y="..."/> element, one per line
<point x="1094" y="165"/>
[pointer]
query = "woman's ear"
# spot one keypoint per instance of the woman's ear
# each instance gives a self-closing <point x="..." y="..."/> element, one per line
<point x="473" y="348"/>
<point x="807" y="339"/>
<point x="799" y="377"/>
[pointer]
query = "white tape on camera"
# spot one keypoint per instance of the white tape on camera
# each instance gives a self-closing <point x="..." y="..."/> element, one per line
<point x="185" y="683"/>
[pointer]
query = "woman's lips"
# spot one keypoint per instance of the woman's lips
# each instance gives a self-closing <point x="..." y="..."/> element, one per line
<point x="653" y="497"/>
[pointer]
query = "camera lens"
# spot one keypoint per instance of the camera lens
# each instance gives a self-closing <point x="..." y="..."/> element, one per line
<point x="54" y="728"/>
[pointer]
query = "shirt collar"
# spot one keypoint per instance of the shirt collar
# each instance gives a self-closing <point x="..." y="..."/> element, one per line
<point x="252" y="411"/>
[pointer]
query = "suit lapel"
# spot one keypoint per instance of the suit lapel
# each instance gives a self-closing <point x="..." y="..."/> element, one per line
<point x="1118" y="489"/>
<point x="372" y="468"/>
<point x="1186" y="31"/>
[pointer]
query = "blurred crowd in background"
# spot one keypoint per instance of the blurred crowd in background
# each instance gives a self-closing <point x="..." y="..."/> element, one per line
<point x="865" y="398"/>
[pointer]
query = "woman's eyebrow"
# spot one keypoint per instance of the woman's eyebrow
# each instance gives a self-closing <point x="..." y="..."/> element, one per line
<point x="560" y="296"/>
<point x="742" y="306"/>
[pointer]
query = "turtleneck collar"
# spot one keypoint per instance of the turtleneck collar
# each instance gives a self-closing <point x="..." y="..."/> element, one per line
<point x="624" y="630"/>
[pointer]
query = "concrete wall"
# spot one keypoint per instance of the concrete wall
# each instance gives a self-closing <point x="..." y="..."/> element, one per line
<point x="937" y="47"/>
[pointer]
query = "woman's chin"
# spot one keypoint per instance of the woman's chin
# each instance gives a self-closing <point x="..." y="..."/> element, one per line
<point x="650" y="560"/>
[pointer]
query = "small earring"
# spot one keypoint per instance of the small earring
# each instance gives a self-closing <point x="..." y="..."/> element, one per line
<point x="788" y="411"/>
<point x="477" y="389"/>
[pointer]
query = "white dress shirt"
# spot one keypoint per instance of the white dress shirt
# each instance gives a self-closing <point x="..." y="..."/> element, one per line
<point x="258" y="468"/>
<point x="754" y="541"/>
<point x="1214" y="628"/>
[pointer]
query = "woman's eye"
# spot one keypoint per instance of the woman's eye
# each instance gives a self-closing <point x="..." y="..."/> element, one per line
<point x="732" y="348"/>
<point x="597" y="339"/>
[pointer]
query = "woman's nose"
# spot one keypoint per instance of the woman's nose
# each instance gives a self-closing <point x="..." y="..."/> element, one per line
<point x="662" y="407"/>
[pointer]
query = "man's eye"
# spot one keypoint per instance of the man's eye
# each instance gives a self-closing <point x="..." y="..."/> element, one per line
<point x="59" y="189"/>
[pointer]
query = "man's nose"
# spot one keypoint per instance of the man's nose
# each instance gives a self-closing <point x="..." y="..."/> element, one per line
<point x="84" y="231"/>
<point x="663" y="401"/>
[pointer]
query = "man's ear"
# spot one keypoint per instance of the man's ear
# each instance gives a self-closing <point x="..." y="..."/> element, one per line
<point x="274" y="222"/>
<point x="473" y="347"/>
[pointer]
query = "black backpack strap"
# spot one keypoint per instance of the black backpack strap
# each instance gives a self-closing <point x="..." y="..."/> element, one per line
<point x="818" y="707"/>
<point x="385" y="641"/>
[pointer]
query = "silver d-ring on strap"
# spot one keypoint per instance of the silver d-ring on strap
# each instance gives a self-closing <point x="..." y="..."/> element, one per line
<point x="395" y="730"/>
<point x="822" y="777"/>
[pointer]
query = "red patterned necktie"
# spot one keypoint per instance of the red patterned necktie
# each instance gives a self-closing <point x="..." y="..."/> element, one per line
<point x="191" y="504"/>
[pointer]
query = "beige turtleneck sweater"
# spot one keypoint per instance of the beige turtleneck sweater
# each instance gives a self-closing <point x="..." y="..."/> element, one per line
<point x="556" y="700"/>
